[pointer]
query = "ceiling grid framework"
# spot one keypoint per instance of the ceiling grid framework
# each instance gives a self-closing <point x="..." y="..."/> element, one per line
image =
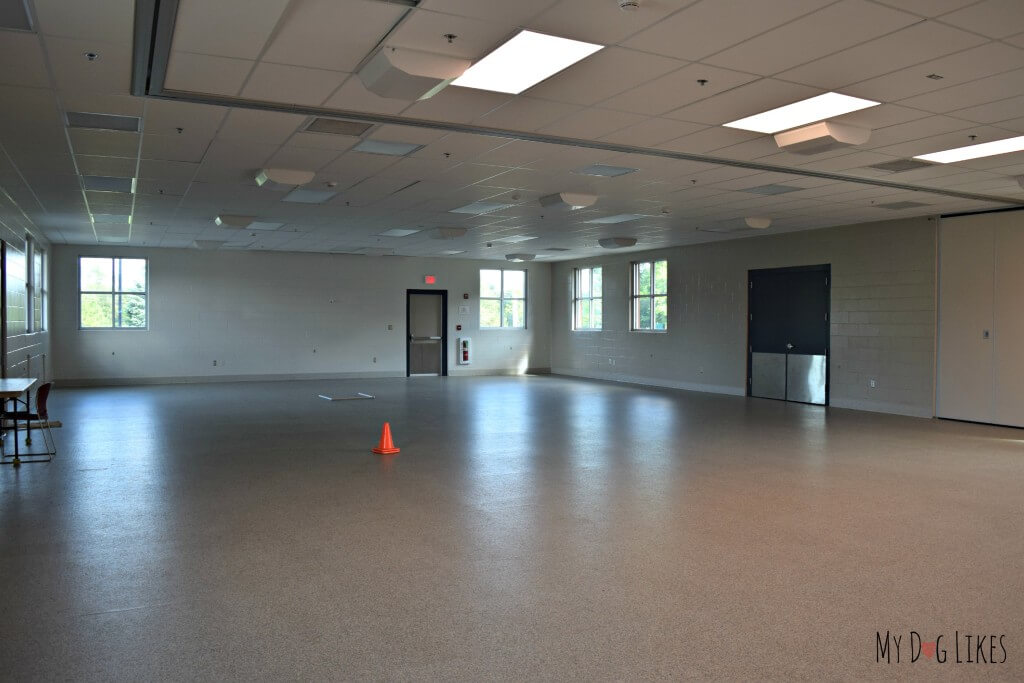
<point x="635" y="100"/>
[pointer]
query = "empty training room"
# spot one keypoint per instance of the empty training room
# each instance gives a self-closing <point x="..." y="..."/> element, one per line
<point x="468" y="340"/>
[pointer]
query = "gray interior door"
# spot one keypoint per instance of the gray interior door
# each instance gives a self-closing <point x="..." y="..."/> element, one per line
<point x="789" y="334"/>
<point x="426" y="334"/>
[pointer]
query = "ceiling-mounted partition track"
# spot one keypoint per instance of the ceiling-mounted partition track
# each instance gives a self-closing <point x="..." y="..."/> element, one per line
<point x="152" y="53"/>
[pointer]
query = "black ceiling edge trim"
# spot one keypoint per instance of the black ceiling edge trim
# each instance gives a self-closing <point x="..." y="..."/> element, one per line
<point x="978" y="213"/>
<point x="226" y="101"/>
<point x="142" y="45"/>
<point x="163" y="34"/>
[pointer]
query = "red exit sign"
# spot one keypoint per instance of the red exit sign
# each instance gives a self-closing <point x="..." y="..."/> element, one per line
<point x="429" y="280"/>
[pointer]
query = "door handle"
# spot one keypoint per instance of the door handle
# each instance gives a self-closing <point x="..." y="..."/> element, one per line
<point x="789" y="347"/>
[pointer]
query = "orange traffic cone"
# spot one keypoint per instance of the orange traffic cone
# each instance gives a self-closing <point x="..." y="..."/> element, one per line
<point x="386" y="445"/>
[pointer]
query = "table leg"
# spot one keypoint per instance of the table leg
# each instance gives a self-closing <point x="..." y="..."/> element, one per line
<point x="28" y="432"/>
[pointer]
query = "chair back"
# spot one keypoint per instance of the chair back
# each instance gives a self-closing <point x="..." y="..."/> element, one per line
<point x="42" y="393"/>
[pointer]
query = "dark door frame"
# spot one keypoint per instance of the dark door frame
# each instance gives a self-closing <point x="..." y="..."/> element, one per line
<point x="825" y="268"/>
<point x="443" y="293"/>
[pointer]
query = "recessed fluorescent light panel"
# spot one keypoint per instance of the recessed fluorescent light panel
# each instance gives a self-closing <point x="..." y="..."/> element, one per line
<point x="524" y="61"/>
<point x="397" y="232"/>
<point x="336" y="127"/>
<point x="452" y="252"/>
<point x="619" y="218"/>
<point x="78" y="119"/>
<point x="102" y="183"/>
<point x="605" y="171"/>
<point x="985" y="149"/>
<point x="391" y="149"/>
<point x="799" y="113"/>
<point x="301" y="196"/>
<point x="478" y="208"/>
<point x="515" y="239"/>
<point x="111" y="218"/>
<point x="263" y="225"/>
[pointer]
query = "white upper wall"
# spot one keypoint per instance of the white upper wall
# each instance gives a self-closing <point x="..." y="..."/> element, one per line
<point x="264" y="314"/>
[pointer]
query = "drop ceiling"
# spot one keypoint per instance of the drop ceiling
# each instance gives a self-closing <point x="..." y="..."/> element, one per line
<point x="947" y="72"/>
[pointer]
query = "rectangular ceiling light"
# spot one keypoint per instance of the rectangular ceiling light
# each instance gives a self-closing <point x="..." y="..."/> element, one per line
<point x="263" y="225"/>
<point x="452" y="252"/>
<point x="605" y="171"/>
<point x="111" y="218"/>
<point x="524" y="61"/>
<point x="78" y="119"/>
<point x="799" y="113"/>
<point x="515" y="239"/>
<point x="397" y="232"/>
<point x="985" y="149"/>
<point x="101" y="183"/>
<point x="336" y="127"/>
<point x="478" y="208"/>
<point x="618" y="218"/>
<point x="301" y="196"/>
<point x="391" y="149"/>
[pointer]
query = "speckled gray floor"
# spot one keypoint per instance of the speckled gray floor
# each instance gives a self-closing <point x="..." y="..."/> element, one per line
<point x="531" y="528"/>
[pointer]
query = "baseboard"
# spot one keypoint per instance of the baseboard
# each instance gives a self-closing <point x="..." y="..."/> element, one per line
<point x="652" y="381"/>
<point x="881" y="407"/>
<point x="463" y="371"/>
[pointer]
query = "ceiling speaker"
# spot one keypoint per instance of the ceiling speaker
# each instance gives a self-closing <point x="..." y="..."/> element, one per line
<point x="401" y="74"/>
<point x="821" y="137"/>
<point x="617" y="242"/>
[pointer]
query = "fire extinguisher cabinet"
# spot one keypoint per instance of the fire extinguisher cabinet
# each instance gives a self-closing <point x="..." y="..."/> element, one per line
<point x="465" y="351"/>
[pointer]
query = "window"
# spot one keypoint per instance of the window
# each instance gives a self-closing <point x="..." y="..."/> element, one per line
<point x="586" y="299"/>
<point x="502" y="298"/>
<point x="112" y="292"/>
<point x="36" y="284"/>
<point x="650" y="296"/>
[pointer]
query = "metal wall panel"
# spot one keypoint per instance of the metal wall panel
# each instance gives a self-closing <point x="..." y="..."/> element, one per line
<point x="805" y="378"/>
<point x="768" y="375"/>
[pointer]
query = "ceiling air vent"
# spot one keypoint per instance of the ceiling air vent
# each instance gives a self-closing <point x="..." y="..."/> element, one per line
<point x="900" y="165"/>
<point x="337" y="127"/>
<point x="78" y="119"/>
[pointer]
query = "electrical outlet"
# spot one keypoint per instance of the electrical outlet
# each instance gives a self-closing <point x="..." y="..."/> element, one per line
<point x="873" y="384"/>
<point x="214" y="363"/>
<point x="375" y="359"/>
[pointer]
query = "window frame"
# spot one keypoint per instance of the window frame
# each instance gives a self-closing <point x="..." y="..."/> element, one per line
<point x="113" y="292"/>
<point x="502" y="299"/>
<point x="576" y="298"/>
<point x="635" y="297"/>
<point x="32" y="325"/>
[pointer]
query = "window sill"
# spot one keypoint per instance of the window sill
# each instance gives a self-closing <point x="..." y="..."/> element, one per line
<point x="650" y="331"/>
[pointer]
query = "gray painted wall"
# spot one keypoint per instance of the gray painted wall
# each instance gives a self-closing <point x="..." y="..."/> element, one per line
<point x="261" y="314"/>
<point x="883" y="315"/>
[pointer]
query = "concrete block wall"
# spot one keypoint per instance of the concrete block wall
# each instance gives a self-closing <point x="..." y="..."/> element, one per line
<point x="882" y="318"/>
<point x="285" y="316"/>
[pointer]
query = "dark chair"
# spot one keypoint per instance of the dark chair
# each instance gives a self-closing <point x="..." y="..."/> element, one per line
<point x="40" y="415"/>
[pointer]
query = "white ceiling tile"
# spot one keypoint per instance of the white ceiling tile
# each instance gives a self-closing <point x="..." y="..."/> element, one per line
<point x="425" y="30"/>
<point x="410" y="134"/>
<point x="1017" y="40"/>
<point x="709" y="139"/>
<point x="992" y="18"/>
<point x="206" y="74"/>
<point x="526" y="114"/>
<point x="165" y="117"/>
<point x="927" y="8"/>
<point x="352" y="96"/>
<point x="266" y="126"/>
<point x="652" y="132"/>
<point x="977" y="92"/>
<point x="912" y="45"/>
<point x="601" y="22"/>
<point x="975" y="63"/>
<point x="104" y="104"/>
<point x="174" y="147"/>
<point x="707" y="27"/>
<point x="603" y="74"/>
<point x="106" y="21"/>
<point x="327" y="34"/>
<point x="302" y="158"/>
<point x="21" y="60"/>
<point x="678" y="89"/>
<point x="915" y="130"/>
<point x="111" y="73"/>
<point x="338" y="143"/>
<point x="118" y="167"/>
<point x="881" y="116"/>
<point x="993" y="112"/>
<point x="592" y="123"/>
<point x="234" y="161"/>
<point x="829" y="30"/>
<point x="292" y="84"/>
<point x="227" y="28"/>
<point x="177" y="171"/>
<point x="746" y="100"/>
<point x="951" y="140"/>
<point x="457" y="104"/>
<point x="516" y="13"/>
<point x="105" y="143"/>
